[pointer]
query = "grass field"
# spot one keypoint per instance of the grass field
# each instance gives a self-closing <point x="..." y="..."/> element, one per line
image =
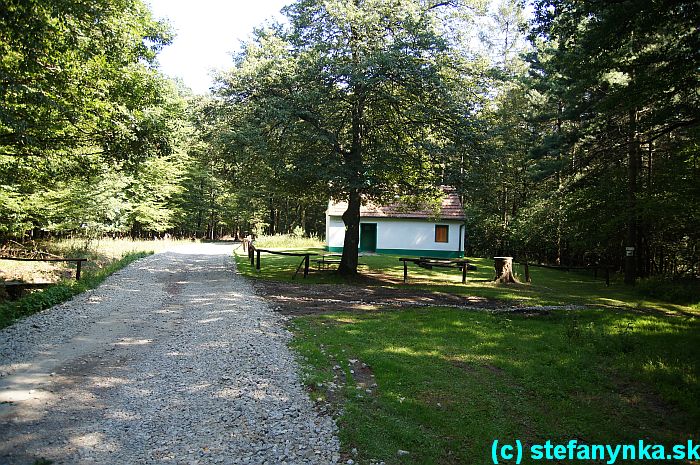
<point x="548" y="287"/>
<point x="449" y="382"/>
<point x="443" y="383"/>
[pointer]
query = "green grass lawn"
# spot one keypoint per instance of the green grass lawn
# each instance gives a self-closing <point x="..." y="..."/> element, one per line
<point x="548" y="287"/>
<point x="450" y="381"/>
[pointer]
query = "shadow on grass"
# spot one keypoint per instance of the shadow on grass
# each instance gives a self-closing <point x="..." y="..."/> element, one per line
<point x="549" y="287"/>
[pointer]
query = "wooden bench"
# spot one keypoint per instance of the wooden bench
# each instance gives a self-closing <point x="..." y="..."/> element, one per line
<point x="14" y="289"/>
<point x="324" y="263"/>
<point x="595" y="268"/>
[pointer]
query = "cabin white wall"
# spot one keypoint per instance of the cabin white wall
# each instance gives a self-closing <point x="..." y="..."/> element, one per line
<point x="396" y="233"/>
<point x="407" y="234"/>
<point x="335" y="231"/>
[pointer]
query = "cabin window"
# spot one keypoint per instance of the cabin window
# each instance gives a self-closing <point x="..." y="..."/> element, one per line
<point x="441" y="231"/>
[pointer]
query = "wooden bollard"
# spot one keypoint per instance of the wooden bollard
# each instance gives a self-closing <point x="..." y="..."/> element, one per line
<point x="306" y="265"/>
<point x="257" y="260"/>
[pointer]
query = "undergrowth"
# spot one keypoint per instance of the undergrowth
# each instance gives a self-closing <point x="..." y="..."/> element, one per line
<point x="683" y="291"/>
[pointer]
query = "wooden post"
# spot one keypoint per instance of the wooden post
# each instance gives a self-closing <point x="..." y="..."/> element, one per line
<point x="306" y="265"/>
<point x="405" y="271"/>
<point x="464" y="273"/>
<point x="77" y="270"/>
<point x="251" y="255"/>
<point x="527" y="273"/>
<point x="257" y="261"/>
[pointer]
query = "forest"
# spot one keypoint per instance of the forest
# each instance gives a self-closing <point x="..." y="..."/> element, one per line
<point x="570" y="128"/>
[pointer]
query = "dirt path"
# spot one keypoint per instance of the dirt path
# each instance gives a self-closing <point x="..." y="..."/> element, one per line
<point x="294" y="298"/>
<point x="376" y="292"/>
<point x="172" y="360"/>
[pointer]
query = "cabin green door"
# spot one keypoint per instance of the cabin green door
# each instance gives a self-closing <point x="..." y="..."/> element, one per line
<point x="368" y="237"/>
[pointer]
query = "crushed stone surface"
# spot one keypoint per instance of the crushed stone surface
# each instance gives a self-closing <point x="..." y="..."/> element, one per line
<point x="173" y="360"/>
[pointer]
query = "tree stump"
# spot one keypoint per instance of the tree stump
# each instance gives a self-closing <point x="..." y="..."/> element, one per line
<point x="504" y="270"/>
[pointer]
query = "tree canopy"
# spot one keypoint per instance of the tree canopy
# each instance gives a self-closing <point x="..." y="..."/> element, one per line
<point x="571" y="136"/>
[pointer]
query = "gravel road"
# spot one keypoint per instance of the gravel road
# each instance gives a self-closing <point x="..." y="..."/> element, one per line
<point x="172" y="360"/>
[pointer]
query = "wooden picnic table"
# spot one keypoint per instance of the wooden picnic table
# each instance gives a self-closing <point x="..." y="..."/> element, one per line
<point x="254" y="255"/>
<point x="14" y="288"/>
<point x="429" y="262"/>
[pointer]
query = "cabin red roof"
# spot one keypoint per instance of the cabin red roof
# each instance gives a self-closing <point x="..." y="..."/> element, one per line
<point x="451" y="209"/>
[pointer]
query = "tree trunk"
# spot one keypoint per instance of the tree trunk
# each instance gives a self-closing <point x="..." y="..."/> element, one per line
<point x="351" y="218"/>
<point x="271" y="229"/>
<point x="504" y="270"/>
<point x="286" y="226"/>
<point x="560" y="167"/>
<point x="632" y="171"/>
<point x="199" y="222"/>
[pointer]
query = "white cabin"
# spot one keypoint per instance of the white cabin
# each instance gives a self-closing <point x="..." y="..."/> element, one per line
<point x="393" y="229"/>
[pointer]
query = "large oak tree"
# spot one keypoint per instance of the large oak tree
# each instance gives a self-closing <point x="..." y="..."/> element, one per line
<point x="356" y="99"/>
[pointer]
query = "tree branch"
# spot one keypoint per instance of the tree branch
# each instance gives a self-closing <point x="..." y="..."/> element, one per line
<point x="668" y="129"/>
<point x="439" y="4"/>
<point x="332" y="138"/>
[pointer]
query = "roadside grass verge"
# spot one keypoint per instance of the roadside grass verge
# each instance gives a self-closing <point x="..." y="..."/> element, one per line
<point x="548" y="287"/>
<point x="62" y="291"/>
<point x="450" y="381"/>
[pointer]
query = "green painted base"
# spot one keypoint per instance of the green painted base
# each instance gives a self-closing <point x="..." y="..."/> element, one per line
<point x="410" y="252"/>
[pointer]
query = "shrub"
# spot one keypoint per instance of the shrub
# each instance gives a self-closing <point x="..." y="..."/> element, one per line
<point x="682" y="291"/>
